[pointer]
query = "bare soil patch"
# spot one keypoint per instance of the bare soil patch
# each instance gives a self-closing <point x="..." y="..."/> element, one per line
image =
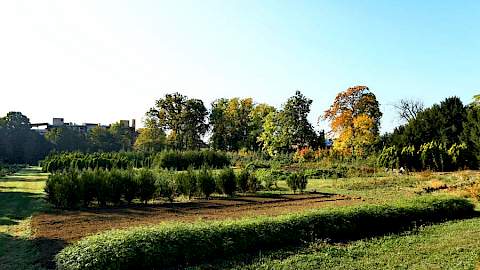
<point x="68" y="226"/>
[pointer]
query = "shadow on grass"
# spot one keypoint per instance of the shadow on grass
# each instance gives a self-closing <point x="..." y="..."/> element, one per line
<point x="24" y="253"/>
<point x="241" y="260"/>
<point x="16" y="206"/>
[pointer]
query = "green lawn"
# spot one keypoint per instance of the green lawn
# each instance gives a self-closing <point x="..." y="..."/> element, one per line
<point x="451" y="245"/>
<point x="20" y="197"/>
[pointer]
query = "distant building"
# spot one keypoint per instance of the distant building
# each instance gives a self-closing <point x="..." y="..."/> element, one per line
<point x="42" y="128"/>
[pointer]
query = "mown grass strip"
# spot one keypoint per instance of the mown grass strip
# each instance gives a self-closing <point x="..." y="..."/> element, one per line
<point x="171" y="245"/>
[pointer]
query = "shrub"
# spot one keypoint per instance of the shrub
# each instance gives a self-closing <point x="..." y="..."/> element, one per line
<point x="196" y="159"/>
<point x="62" y="189"/>
<point x="81" y="161"/>
<point x="206" y="182"/>
<point x="146" y="185"/>
<point x="130" y="186"/>
<point x="87" y="188"/>
<point x="266" y="178"/>
<point x="226" y="181"/>
<point x="115" y="185"/>
<point x="297" y="181"/>
<point x="177" y="244"/>
<point x="187" y="183"/>
<point x="242" y="180"/>
<point x="166" y="185"/>
<point x="252" y="183"/>
<point x="102" y="190"/>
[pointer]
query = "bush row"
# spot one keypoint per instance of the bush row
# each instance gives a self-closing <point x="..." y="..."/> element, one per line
<point x="114" y="160"/>
<point x="9" y="169"/>
<point x="433" y="156"/>
<point x="196" y="159"/>
<point x="73" y="188"/>
<point x="173" y="245"/>
<point x="123" y="160"/>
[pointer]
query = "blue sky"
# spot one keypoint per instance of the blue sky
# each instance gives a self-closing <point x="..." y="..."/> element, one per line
<point x="101" y="61"/>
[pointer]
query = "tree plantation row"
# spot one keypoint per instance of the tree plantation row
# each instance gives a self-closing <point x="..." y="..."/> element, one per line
<point x="442" y="137"/>
<point x="75" y="188"/>
<point x="123" y="160"/>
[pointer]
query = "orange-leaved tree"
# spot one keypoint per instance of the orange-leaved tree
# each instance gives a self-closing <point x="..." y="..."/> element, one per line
<point x="354" y="120"/>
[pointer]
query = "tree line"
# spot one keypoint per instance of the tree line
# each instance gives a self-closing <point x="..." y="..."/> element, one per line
<point x="19" y="144"/>
<point x="177" y="122"/>
<point x="442" y="137"/>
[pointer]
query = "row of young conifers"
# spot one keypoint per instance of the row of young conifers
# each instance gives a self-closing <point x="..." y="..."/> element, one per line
<point x="73" y="188"/>
<point x="175" y="160"/>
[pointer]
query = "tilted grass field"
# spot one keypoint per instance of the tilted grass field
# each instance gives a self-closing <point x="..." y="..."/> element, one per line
<point x="452" y="245"/>
<point x="21" y="195"/>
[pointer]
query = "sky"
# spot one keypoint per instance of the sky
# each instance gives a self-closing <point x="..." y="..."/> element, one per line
<point x="102" y="61"/>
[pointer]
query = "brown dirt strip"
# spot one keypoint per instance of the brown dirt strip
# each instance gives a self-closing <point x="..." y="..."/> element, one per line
<point x="54" y="230"/>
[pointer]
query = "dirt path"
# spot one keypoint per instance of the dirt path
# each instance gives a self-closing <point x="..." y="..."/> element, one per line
<point x="69" y="226"/>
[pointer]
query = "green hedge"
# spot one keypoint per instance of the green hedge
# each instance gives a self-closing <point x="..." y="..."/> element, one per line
<point x="195" y="159"/>
<point x="171" y="245"/>
<point x="73" y="188"/>
<point x="122" y="160"/>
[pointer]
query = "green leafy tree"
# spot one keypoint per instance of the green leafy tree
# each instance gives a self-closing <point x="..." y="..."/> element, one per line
<point x="182" y="118"/>
<point x="65" y="139"/>
<point x="257" y="119"/>
<point x="123" y="136"/>
<point x="150" y="139"/>
<point x="443" y="123"/>
<point x="288" y="129"/>
<point x="271" y="138"/>
<point x="100" y="139"/>
<point x="230" y="119"/>
<point x="18" y="143"/>
<point x="471" y="135"/>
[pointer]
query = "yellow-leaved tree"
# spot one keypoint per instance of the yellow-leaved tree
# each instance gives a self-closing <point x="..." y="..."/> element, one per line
<point x="354" y="120"/>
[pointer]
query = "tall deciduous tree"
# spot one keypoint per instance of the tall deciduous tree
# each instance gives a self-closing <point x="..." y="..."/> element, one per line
<point x="182" y="118"/>
<point x="257" y="118"/>
<point x="123" y="135"/>
<point x="289" y="128"/>
<point x="354" y="119"/>
<point x="407" y="109"/>
<point x="66" y="139"/>
<point x="442" y="122"/>
<point x="471" y="133"/>
<point x="100" y="139"/>
<point x="230" y="121"/>
<point x="18" y="143"/>
<point x="150" y="139"/>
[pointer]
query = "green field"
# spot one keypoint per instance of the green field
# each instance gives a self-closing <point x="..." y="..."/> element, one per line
<point x="451" y="245"/>
<point x="21" y="195"/>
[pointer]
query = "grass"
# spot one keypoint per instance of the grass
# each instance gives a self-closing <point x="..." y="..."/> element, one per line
<point x="451" y="245"/>
<point x="21" y="195"/>
<point x="168" y="245"/>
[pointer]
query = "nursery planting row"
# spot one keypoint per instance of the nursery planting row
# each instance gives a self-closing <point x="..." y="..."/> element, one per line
<point x="172" y="245"/>
<point x="73" y="188"/>
<point x="122" y="160"/>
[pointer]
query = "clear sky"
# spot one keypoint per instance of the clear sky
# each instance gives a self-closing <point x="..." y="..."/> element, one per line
<point x="101" y="61"/>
